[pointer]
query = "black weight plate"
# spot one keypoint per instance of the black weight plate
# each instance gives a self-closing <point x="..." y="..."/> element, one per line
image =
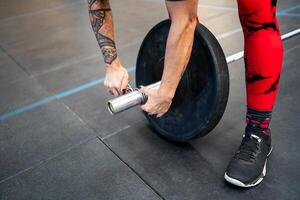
<point x="201" y="96"/>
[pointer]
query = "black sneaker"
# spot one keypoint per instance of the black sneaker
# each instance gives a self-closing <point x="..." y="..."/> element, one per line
<point x="248" y="166"/>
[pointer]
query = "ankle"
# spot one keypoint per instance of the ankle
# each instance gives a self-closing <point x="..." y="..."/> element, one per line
<point x="258" y="121"/>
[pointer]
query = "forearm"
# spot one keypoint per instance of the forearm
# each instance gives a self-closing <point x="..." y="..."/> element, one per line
<point x="178" y="51"/>
<point x="102" y="23"/>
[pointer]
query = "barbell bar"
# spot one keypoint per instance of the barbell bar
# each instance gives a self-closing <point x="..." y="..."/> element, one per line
<point x="136" y="97"/>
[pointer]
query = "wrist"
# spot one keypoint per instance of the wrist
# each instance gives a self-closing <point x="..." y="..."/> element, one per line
<point x="115" y="64"/>
<point x="166" y="92"/>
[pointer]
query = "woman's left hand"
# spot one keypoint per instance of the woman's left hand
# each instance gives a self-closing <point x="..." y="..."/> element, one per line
<point x="157" y="103"/>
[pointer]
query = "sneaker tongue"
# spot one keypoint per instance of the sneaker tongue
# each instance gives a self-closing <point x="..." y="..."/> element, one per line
<point x="248" y="146"/>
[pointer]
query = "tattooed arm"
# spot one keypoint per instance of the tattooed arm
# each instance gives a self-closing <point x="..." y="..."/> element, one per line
<point x="101" y="18"/>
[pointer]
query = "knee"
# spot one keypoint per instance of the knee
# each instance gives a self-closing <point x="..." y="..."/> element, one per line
<point x="247" y="7"/>
<point x="257" y="15"/>
<point x="257" y="10"/>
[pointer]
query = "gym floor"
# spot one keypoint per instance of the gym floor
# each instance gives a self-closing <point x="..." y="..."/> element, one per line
<point x="58" y="140"/>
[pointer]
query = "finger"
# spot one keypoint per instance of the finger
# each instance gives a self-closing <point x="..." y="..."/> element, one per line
<point x="161" y="111"/>
<point x="115" y="92"/>
<point x="160" y="114"/>
<point x="144" y="107"/>
<point x="107" y="87"/>
<point x="110" y="92"/>
<point x="124" y="85"/>
<point x="105" y="82"/>
<point x="147" y="109"/>
<point x="143" y="89"/>
<point x="117" y="88"/>
<point x="153" y="111"/>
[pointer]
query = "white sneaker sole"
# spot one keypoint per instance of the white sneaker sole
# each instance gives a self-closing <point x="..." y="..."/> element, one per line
<point x="254" y="183"/>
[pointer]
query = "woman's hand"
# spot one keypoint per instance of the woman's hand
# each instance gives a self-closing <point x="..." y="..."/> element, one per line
<point x="116" y="79"/>
<point x="158" y="103"/>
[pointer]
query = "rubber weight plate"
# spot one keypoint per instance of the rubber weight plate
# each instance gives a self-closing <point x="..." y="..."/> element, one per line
<point x="201" y="96"/>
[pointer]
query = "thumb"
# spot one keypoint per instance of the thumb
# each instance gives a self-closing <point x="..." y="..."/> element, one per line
<point x="143" y="89"/>
<point x="124" y="85"/>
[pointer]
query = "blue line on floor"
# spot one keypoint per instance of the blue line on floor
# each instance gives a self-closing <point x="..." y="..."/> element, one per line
<point x="90" y="84"/>
<point x="291" y="14"/>
<point x="28" y="107"/>
<point x="285" y="11"/>
<point x="56" y="97"/>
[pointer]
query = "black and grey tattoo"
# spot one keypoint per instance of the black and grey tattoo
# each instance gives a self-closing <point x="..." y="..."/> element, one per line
<point x="98" y="17"/>
<point x="109" y="54"/>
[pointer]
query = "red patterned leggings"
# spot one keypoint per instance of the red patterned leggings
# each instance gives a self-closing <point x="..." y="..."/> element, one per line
<point x="263" y="52"/>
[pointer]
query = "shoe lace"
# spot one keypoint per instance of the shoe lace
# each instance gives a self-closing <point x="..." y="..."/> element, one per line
<point x="248" y="148"/>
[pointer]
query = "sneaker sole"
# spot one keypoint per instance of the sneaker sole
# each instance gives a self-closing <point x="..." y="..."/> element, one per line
<point x="253" y="183"/>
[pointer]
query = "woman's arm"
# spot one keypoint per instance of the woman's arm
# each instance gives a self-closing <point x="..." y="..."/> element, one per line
<point x="178" y="52"/>
<point x="101" y="19"/>
<point x="179" y="43"/>
<point x="102" y="24"/>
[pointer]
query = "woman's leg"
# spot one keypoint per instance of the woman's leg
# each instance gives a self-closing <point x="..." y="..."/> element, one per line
<point x="263" y="58"/>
